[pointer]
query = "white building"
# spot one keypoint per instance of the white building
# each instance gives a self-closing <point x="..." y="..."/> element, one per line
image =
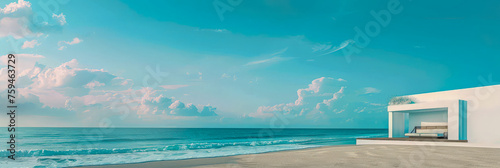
<point x="466" y="117"/>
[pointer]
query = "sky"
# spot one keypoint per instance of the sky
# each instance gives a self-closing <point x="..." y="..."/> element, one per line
<point x="239" y="63"/>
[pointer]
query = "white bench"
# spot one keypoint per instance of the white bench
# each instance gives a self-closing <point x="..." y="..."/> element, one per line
<point x="430" y="130"/>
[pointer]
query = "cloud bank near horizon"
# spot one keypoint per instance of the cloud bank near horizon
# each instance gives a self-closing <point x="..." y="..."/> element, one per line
<point x="326" y="100"/>
<point x="92" y="92"/>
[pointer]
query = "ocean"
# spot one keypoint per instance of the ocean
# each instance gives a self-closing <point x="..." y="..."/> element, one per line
<point x="63" y="147"/>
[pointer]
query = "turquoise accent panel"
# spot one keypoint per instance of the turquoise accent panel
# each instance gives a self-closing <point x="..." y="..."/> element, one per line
<point x="407" y="123"/>
<point x="462" y="131"/>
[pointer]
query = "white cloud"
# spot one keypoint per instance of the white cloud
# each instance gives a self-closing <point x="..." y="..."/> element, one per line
<point x="325" y="101"/>
<point x="376" y="104"/>
<point x="153" y="103"/>
<point x="275" y="57"/>
<point x="56" y="85"/>
<point x="321" y="47"/>
<point x="14" y="27"/>
<point x="13" y="7"/>
<point x="17" y="20"/>
<point x="30" y="44"/>
<point x="180" y="109"/>
<point x="72" y="88"/>
<point x="173" y="87"/>
<point x="269" y="60"/>
<point x="26" y="63"/>
<point x="317" y="87"/>
<point x="126" y="82"/>
<point x="61" y="18"/>
<point x="220" y="30"/>
<point x="226" y="76"/>
<point x="76" y="40"/>
<point x="65" y="44"/>
<point x="309" y="99"/>
<point x="369" y="90"/>
<point x="360" y="110"/>
<point x="94" y="84"/>
<point x="214" y="30"/>
<point x="328" y="49"/>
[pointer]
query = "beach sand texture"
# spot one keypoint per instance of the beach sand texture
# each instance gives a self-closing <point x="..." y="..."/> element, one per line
<point x="344" y="156"/>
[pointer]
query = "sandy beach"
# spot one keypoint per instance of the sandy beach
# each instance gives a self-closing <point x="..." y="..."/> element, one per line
<point x="345" y="156"/>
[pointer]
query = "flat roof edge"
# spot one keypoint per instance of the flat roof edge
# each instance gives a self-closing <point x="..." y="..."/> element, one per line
<point x="445" y="91"/>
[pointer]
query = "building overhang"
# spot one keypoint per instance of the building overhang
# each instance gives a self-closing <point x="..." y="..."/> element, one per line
<point x="423" y="107"/>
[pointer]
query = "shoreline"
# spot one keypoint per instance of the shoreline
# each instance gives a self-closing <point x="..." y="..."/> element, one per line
<point x="214" y="157"/>
<point x="342" y="156"/>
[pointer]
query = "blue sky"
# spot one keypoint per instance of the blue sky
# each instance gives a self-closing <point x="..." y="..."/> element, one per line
<point x="259" y="63"/>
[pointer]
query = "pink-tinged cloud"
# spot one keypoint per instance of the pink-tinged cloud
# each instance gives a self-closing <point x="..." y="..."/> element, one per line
<point x="30" y="44"/>
<point x="324" y="100"/>
<point x="154" y="103"/>
<point x="369" y="90"/>
<point x="48" y="98"/>
<point x="96" y="92"/>
<point x="13" y="7"/>
<point x="14" y="27"/>
<point x="76" y="40"/>
<point x="65" y="44"/>
<point x="320" y="91"/>
<point x="94" y="84"/>
<point x="61" y="18"/>
<point x="173" y="87"/>
<point x="25" y="66"/>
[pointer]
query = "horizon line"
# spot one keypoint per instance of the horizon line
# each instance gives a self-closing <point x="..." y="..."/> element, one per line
<point x="203" y="127"/>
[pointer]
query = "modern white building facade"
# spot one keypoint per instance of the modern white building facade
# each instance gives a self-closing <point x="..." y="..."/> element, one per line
<point x="471" y="116"/>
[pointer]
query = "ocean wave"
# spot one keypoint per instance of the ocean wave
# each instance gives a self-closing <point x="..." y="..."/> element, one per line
<point x="265" y="136"/>
<point x="175" y="147"/>
<point x="136" y="147"/>
<point x="118" y="140"/>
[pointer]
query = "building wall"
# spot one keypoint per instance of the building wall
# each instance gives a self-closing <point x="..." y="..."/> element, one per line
<point x="483" y="111"/>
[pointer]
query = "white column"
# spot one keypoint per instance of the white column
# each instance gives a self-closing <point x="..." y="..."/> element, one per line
<point x="453" y="121"/>
<point x="396" y="124"/>
<point x="390" y="124"/>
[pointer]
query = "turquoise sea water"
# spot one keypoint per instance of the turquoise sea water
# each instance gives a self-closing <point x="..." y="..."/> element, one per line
<point x="62" y="147"/>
